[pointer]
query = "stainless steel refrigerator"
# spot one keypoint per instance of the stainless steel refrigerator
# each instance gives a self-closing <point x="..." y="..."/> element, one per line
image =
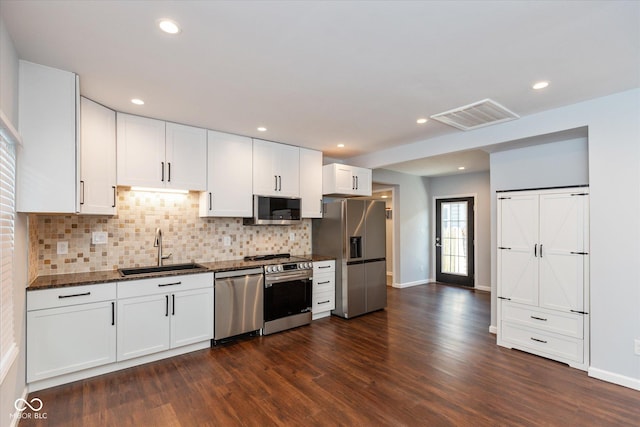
<point x="353" y="231"/>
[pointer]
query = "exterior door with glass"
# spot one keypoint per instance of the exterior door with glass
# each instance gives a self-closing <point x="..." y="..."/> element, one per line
<point x="454" y="241"/>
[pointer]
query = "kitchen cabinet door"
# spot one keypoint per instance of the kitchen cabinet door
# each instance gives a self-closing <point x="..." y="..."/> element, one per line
<point x="276" y="169"/>
<point x="191" y="316"/>
<point x="229" y="176"/>
<point x="186" y="157"/>
<point x="143" y="326"/>
<point x="98" y="160"/>
<point x="311" y="183"/>
<point x="339" y="179"/>
<point x="47" y="161"/>
<point x="68" y="339"/>
<point x="141" y="151"/>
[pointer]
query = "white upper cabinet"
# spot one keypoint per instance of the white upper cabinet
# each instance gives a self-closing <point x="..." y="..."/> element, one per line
<point x="186" y="154"/>
<point x="339" y="179"/>
<point x="152" y="153"/>
<point x="311" y="183"/>
<point x="276" y="169"/>
<point x="47" y="162"/>
<point x="98" y="160"/>
<point x="229" y="176"/>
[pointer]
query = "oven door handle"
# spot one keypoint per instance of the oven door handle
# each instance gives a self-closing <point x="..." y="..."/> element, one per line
<point x="271" y="279"/>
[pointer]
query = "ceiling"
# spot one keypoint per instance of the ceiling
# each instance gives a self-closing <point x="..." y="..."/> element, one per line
<point x="321" y="73"/>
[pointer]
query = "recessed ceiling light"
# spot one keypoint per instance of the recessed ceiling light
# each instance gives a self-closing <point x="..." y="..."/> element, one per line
<point x="340" y="145"/>
<point x="137" y="101"/>
<point x="421" y="121"/>
<point x="461" y="168"/>
<point x="168" y="26"/>
<point x="540" y="85"/>
<point x="262" y="129"/>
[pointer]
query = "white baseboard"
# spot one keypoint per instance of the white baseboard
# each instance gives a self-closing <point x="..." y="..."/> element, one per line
<point x="410" y="284"/>
<point x="493" y="329"/>
<point x="15" y="417"/>
<point x="614" y="378"/>
<point x="483" y="288"/>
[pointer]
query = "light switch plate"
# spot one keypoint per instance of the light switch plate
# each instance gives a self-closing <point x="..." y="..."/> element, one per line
<point x="292" y="236"/>
<point x="62" y="248"/>
<point x="226" y="240"/>
<point x="99" y="237"/>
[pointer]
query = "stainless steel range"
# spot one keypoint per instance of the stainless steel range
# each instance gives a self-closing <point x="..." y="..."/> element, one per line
<point x="287" y="292"/>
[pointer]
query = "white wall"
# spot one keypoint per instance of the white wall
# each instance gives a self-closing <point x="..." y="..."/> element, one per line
<point x="411" y="210"/>
<point x="466" y="185"/>
<point x="13" y="385"/>
<point x="557" y="164"/>
<point x="614" y="178"/>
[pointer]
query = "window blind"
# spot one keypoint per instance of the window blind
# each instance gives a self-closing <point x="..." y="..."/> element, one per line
<point x="8" y="347"/>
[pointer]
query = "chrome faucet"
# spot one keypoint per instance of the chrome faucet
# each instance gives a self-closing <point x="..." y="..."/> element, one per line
<point x="158" y="244"/>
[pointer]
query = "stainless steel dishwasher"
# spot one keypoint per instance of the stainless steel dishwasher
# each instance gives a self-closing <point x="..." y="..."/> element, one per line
<point x="238" y="300"/>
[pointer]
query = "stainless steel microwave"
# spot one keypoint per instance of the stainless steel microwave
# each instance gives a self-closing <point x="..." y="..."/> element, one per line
<point x="274" y="211"/>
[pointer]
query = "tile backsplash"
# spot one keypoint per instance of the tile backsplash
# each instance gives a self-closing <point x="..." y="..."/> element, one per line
<point x="131" y="232"/>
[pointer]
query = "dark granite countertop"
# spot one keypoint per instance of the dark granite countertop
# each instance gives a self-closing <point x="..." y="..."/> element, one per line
<point x="96" y="277"/>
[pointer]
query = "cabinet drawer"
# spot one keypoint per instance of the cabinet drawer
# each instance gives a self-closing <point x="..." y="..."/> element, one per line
<point x="72" y="295"/>
<point x="161" y="285"/>
<point x="324" y="301"/>
<point x="324" y="283"/>
<point x="569" y="324"/>
<point x="320" y="267"/>
<point x="543" y="342"/>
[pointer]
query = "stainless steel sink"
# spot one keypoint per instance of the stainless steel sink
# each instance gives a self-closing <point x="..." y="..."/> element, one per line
<point x="160" y="269"/>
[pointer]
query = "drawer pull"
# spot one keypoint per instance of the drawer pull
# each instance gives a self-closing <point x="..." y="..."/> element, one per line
<point x="113" y="313"/>
<point x="538" y="318"/>
<point x="324" y="283"/>
<point x="324" y="266"/>
<point x="504" y="248"/>
<point x="74" y="295"/>
<point x="324" y="302"/>
<point x="579" y="312"/>
<point x="169" y="284"/>
<point x="537" y="340"/>
<point x="505" y="298"/>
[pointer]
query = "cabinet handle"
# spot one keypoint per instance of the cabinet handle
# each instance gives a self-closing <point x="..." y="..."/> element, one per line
<point x="537" y="340"/>
<point x="504" y="248"/>
<point x="114" y="196"/>
<point x="162" y="168"/>
<point x="279" y="183"/>
<point x="357" y="183"/>
<point x="324" y="283"/>
<point x="169" y="164"/>
<point x="353" y="182"/>
<point x="160" y="285"/>
<point x="579" y="312"/>
<point x="535" y="250"/>
<point x="324" y="302"/>
<point x="540" y="250"/>
<point x="505" y="298"/>
<point x="113" y="313"/>
<point x="166" y="310"/>
<point x="275" y="188"/>
<point x="320" y="206"/>
<point x="538" y="318"/>
<point x="74" y="295"/>
<point x="81" y="192"/>
<point x="324" y="266"/>
<point x="579" y="253"/>
<point x="210" y="201"/>
<point x="173" y="304"/>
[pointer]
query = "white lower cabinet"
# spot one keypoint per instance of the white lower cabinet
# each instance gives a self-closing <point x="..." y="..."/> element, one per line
<point x="70" y="329"/>
<point x="324" y="289"/>
<point x="159" y="314"/>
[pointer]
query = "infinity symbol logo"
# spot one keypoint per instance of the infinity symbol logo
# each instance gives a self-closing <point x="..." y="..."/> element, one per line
<point x="21" y="404"/>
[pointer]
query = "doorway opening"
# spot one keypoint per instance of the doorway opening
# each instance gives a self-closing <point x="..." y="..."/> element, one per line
<point x="454" y="241"/>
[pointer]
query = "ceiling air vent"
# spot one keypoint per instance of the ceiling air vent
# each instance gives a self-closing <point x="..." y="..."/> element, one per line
<point x="476" y="115"/>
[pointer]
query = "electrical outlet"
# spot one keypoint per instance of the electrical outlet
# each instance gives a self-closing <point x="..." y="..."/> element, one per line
<point x="63" y="248"/>
<point x="637" y="346"/>
<point x="99" y="237"/>
<point x="226" y="240"/>
<point x="292" y="236"/>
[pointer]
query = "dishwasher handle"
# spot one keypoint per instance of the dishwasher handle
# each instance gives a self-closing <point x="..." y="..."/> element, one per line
<point x="239" y="273"/>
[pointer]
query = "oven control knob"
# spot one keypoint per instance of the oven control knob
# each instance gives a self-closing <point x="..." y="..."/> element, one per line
<point x="267" y="269"/>
<point x="310" y="265"/>
<point x="279" y="268"/>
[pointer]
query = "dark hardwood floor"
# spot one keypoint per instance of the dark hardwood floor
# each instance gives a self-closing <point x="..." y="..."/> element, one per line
<point x="428" y="359"/>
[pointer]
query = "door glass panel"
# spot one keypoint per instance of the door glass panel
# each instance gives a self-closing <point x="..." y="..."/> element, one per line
<point x="454" y="238"/>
